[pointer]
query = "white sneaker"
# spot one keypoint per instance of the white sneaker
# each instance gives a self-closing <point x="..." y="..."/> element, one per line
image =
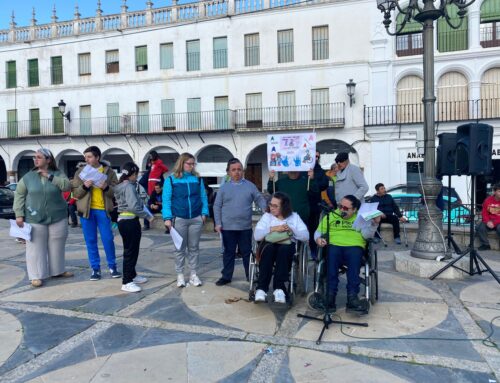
<point x="279" y="296"/>
<point x="180" y="280"/>
<point x="194" y="280"/>
<point x="131" y="287"/>
<point x="139" y="279"/>
<point x="260" y="296"/>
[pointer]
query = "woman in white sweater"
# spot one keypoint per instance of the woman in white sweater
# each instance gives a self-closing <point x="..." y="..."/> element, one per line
<point x="279" y="230"/>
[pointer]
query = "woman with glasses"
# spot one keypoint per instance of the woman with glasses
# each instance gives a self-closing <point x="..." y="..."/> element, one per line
<point x="39" y="201"/>
<point x="185" y="207"/>
<point x="279" y="229"/>
<point x="346" y="246"/>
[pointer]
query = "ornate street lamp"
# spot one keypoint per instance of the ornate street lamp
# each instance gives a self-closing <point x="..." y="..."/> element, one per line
<point x="429" y="243"/>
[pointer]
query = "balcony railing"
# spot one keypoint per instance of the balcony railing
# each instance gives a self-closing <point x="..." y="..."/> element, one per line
<point x="449" y="111"/>
<point x="291" y="117"/>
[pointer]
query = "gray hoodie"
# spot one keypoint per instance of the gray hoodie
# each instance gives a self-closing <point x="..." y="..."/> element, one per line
<point x="350" y="181"/>
<point x="128" y="201"/>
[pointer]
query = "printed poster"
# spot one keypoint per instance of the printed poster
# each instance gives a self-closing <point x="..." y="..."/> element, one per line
<point x="291" y="152"/>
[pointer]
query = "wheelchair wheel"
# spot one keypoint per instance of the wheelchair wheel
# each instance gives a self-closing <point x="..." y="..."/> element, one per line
<point x="304" y="268"/>
<point x="314" y="301"/>
<point x="373" y="277"/>
<point x="292" y="286"/>
<point x="252" y="277"/>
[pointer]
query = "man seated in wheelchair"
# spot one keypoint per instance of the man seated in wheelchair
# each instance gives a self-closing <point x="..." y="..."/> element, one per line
<point x="279" y="230"/>
<point x="345" y="247"/>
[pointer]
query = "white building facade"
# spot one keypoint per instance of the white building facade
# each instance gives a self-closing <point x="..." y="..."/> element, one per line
<point x="214" y="78"/>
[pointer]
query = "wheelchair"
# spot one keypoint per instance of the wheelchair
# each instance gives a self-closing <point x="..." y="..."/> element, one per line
<point x="298" y="280"/>
<point x="368" y="277"/>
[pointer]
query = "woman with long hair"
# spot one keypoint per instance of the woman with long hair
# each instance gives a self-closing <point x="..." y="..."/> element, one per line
<point x="279" y="229"/>
<point x="130" y="209"/>
<point x="39" y="201"/>
<point x="185" y="207"/>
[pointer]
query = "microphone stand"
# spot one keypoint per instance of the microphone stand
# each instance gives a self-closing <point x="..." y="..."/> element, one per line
<point x="327" y="315"/>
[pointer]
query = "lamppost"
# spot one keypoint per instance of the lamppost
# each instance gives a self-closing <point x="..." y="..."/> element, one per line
<point x="429" y="243"/>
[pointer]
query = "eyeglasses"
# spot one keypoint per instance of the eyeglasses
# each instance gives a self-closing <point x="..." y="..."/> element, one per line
<point x="38" y="158"/>
<point x="190" y="163"/>
<point x="344" y="208"/>
<point x="274" y="206"/>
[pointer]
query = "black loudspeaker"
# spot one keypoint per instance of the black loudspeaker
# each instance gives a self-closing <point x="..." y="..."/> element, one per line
<point x="473" y="151"/>
<point x="446" y="154"/>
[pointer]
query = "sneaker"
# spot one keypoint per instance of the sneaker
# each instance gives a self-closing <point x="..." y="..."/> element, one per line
<point x="114" y="273"/>
<point x="180" y="280"/>
<point x="354" y="304"/>
<point x="66" y="274"/>
<point x="74" y="225"/>
<point x="484" y="247"/>
<point x="397" y="241"/>
<point x="145" y="228"/>
<point x="279" y="296"/>
<point x="96" y="275"/>
<point x="332" y="307"/>
<point x="20" y="240"/>
<point x="260" y="296"/>
<point x="131" y="287"/>
<point x="140" y="279"/>
<point x="36" y="282"/>
<point x="194" y="280"/>
<point x="222" y="282"/>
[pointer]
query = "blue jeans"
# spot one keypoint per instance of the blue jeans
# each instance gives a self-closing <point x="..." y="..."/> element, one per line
<point x="98" y="219"/>
<point x="349" y="256"/>
<point x="231" y="239"/>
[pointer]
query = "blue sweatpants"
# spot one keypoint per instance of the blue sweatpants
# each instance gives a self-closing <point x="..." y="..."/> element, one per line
<point x="349" y="256"/>
<point x="98" y="219"/>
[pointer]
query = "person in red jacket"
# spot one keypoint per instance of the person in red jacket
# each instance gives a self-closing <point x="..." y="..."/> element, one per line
<point x="156" y="173"/>
<point x="491" y="218"/>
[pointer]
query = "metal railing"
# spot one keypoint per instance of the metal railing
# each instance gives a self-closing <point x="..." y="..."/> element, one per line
<point x="448" y="111"/>
<point x="460" y="213"/>
<point x="289" y="117"/>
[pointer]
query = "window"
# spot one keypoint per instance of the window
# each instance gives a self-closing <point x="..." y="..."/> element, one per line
<point x="33" y="79"/>
<point x="490" y="93"/>
<point x="143" y="117"/>
<point x="286" y="107"/>
<point x="409" y="40"/>
<point x="113" y="117"/>
<point x="167" y="56"/>
<point x="85" y="120"/>
<point x="84" y="64"/>
<point x="285" y="46"/>
<point x="57" y="120"/>
<point x="141" y="58"/>
<point x="221" y="113"/>
<point x="410" y="91"/>
<point x="490" y="23"/>
<point x="56" y="70"/>
<point x="320" y="100"/>
<point x="413" y="172"/>
<point x="320" y="43"/>
<point x="11" y="80"/>
<point x="449" y="39"/>
<point x="168" y="114"/>
<point x="34" y="121"/>
<point x="452" y="97"/>
<point x="12" y="123"/>
<point x="113" y="61"/>
<point x="252" y="49"/>
<point x="194" y="113"/>
<point x="192" y="55"/>
<point x="253" y="102"/>
<point x="220" y="52"/>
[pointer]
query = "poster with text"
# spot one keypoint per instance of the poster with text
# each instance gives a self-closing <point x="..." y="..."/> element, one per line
<point x="291" y="152"/>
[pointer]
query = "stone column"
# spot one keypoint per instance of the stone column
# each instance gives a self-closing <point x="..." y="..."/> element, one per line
<point x="175" y="10"/>
<point x="149" y="12"/>
<point x="123" y="16"/>
<point x="474" y="29"/>
<point x="98" y="17"/>
<point x="12" y="32"/>
<point x="76" y="21"/>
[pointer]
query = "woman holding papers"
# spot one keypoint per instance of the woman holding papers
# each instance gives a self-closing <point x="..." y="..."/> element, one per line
<point x="346" y="246"/>
<point x="130" y="209"/>
<point x="185" y="207"/>
<point x="38" y="201"/>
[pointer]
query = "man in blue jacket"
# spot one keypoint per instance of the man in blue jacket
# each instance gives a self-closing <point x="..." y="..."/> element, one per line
<point x="391" y="213"/>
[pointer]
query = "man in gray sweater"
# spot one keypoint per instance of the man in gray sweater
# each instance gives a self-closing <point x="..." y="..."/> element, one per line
<point x="233" y="218"/>
<point x="350" y="179"/>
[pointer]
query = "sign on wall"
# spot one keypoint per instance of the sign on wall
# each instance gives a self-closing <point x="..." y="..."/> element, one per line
<point x="291" y="152"/>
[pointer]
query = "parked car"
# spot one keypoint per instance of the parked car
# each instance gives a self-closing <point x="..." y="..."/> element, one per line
<point x="12" y="186"/>
<point x="6" y="203"/>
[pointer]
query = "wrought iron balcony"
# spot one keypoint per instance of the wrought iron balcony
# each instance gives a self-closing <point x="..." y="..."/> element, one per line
<point x="449" y="111"/>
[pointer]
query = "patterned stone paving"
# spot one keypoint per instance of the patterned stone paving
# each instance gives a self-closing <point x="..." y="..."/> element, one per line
<point x="75" y="330"/>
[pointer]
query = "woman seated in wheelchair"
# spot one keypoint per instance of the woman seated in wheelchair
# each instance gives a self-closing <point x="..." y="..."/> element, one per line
<point x="279" y="230"/>
<point x="345" y="247"/>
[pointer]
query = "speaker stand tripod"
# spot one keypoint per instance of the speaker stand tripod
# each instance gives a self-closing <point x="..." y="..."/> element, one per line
<point x="474" y="257"/>
<point x="449" y="236"/>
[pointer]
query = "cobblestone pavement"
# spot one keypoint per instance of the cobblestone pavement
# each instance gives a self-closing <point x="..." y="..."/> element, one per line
<point x="76" y="330"/>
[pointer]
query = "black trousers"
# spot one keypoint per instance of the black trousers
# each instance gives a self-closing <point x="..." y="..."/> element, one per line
<point x="281" y="257"/>
<point x="130" y="230"/>
<point x="394" y="221"/>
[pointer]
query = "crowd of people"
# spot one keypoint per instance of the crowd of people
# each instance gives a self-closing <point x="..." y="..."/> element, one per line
<point x="294" y="210"/>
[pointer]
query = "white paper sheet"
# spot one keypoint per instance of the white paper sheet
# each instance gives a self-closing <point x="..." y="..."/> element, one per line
<point x="176" y="238"/>
<point x="368" y="210"/>
<point x="147" y="211"/>
<point x="20" y="232"/>
<point x="92" y="174"/>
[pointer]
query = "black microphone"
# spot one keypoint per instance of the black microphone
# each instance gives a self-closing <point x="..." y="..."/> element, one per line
<point x="343" y="214"/>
